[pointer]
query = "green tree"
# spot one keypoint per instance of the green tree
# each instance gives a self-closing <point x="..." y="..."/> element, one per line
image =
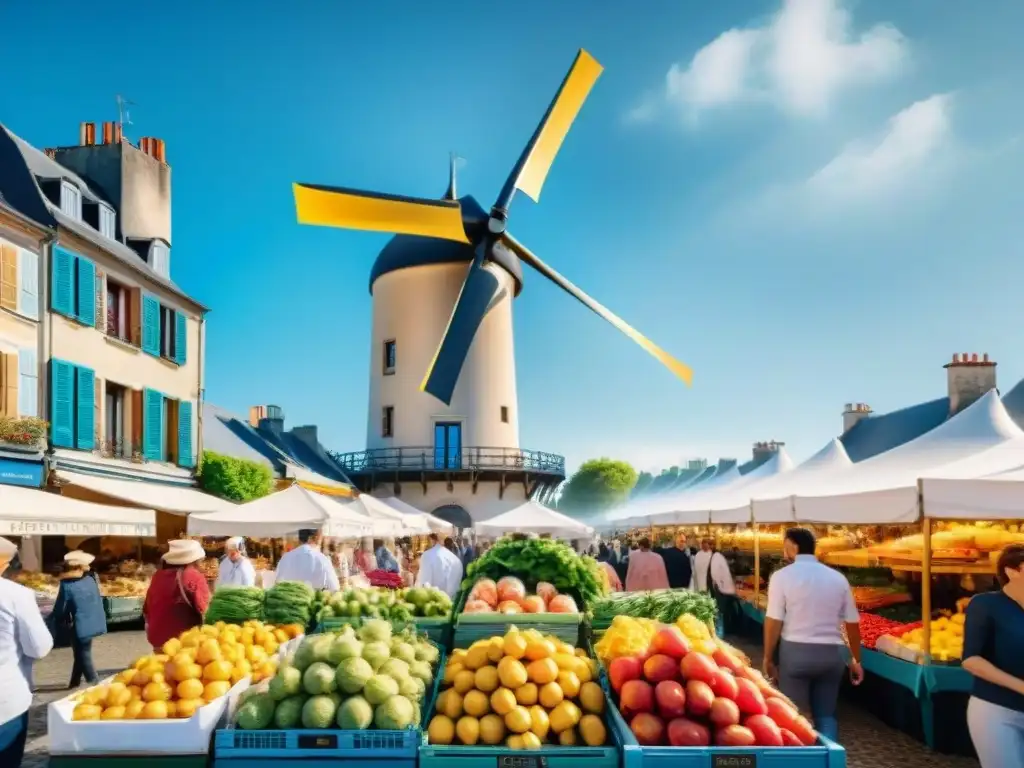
<point x="232" y="478"/>
<point x="597" y="485"/>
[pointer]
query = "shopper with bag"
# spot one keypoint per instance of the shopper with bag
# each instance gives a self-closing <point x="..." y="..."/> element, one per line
<point x="178" y="595"/>
<point x="78" y="615"/>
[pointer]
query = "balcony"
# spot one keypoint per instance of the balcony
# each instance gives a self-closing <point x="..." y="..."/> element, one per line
<point x="424" y="463"/>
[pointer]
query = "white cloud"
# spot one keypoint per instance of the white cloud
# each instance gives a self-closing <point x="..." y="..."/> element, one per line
<point x="798" y="62"/>
<point x="912" y="139"/>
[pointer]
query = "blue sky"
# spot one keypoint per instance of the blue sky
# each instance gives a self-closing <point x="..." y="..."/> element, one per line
<point x="810" y="202"/>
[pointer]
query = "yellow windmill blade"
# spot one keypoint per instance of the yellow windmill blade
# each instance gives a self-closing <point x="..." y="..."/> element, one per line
<point x="355" y="209"/>
<point x="533" y="166"/>
<point x="681" y="370"/>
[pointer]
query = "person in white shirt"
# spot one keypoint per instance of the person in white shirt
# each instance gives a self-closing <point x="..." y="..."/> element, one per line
<point x="24" y="639"/>
<point x="235" y="569"/>
<point x="700" y="567"/>
<point x="441" y="568"/>
<point x="306" y="563"/>
<point x="807" y="604"/>
<point x="714" y="577"/>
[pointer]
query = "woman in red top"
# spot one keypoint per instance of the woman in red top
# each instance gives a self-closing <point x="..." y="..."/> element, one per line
<point x="178" y="594"/>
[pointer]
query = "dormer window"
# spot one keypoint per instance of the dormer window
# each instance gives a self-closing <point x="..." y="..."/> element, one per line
<point x="160" y="259"/>
<point x="107" y="221"/>
<point x="70" y="200"/>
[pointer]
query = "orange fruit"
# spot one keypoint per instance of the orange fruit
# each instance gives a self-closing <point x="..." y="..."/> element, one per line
<point x="209" y="651"/>
<point x="134" y="709"/>
<point x="154" y="710"/>
<point x="527" y="694"/>
<point x="216" y="689"/>
<point x="217" y="671"/>
<point x="190" y="689"/>
<point x="118" y="695"/>
<point x="551" y="695"/>
<point x="188" y="707"/>
<point x="156" y="692"/>
<point x="87" y="712"/>
<point x="113" y="713"/>
<point x="542" y="671"/>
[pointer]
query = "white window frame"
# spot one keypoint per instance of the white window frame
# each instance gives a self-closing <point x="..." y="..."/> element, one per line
<point x="115" y="402"/>
<point x="107" y="221"/>
<point x="160" y="259"/>
<point x="28" y="283"/>
<point x="28" y="383"/>
<point x="70" y="200"/>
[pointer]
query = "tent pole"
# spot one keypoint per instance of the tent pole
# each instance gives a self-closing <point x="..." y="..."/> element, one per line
<point x="926" y="575"/>
<point x="757" y="556"/>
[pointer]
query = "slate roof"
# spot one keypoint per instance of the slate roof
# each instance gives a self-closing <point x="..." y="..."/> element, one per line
<point x="873" y="435"/>
<point x="35" y="165"/>
<point x="226" y="433"/>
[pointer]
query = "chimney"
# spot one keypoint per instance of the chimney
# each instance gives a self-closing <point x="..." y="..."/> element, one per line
<point x="764" y="450"/>
<point x="272" y="418"/>
<point x="854" y="412"/>
<point x="306" y="434"/>
<point x="968" y="377"/>
<point x="256" y="414"/>
<point x="136" y="180"/>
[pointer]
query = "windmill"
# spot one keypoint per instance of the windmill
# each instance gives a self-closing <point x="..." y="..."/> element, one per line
<point x="464" y="221"/>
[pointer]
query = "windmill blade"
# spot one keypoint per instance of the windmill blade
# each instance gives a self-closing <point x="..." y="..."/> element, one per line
<point x="373" y="211"/>
<point x="525" y="254"/>
<point x="532" y="169"/>
<point x="479" y="290"/>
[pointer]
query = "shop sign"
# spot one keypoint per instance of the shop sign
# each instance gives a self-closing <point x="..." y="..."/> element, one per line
<point x="9" y="527"/>
<point x="26" y="473"/>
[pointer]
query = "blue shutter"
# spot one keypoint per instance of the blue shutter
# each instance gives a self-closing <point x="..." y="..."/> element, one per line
<point x="85" y="273"/>
<point x="152" y="425"/>
<point x="62" y="404"/>
<point x="185" y="434"/>
<point x="150" y="325"/>
<point x="85" y="400"/>
<point x="28" y="383"/>
<point x="62" y="281"/>
<point x="180" y="338"/>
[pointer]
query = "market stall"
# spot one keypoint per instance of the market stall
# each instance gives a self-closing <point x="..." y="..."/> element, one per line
<point x="436" y="524"/>
<point x="532" y="517"/>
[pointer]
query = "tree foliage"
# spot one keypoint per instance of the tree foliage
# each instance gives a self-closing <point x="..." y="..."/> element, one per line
<point x="597" y="485"/>
<point x="232" y="478"/>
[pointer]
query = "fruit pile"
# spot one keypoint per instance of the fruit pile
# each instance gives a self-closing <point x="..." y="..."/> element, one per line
<point x="947" y="636"/>
<point x="352" y="680"/>
<point x="508" y="595"/>
<point x="385" y="603"/>
<point x="629" y="636"/>
<point x="191" y="671"/>
<point x="522" y="690"/>
<point x="675" y="695"/>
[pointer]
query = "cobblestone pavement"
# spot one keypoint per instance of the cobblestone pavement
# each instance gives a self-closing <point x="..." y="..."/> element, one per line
<point x="869" y="743"/>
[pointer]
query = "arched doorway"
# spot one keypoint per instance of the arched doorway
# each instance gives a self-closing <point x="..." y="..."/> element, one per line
<point x="454" y="514"/>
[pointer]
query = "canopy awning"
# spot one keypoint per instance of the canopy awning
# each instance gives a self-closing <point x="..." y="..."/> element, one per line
<point x="31" y="512"/>
<point x="532" y="517"/>
<point x="168" y="498"/>
<point x="436" y="524"/>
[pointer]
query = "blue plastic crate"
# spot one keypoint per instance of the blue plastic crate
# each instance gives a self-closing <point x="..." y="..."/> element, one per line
<point x="372" y="749"/>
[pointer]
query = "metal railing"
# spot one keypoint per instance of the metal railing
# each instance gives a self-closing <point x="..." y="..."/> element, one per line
<point x="430" y="459"/>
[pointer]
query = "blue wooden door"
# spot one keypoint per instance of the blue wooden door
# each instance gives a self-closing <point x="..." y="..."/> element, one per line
<point x="448" y="445"/>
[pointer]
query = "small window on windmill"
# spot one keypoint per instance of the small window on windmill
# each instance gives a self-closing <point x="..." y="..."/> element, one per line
<point x="504" y="414"/>
<point x="389" y="357"/>
<point x="387" y="426"/>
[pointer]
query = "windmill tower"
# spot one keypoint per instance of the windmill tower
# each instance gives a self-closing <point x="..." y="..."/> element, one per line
<point x="447" y="442"/>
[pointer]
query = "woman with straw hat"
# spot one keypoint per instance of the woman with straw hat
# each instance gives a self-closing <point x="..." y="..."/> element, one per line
<point x="24" y="640"/>
<point x="178" y="595"/>
<point x="78" y="612"/>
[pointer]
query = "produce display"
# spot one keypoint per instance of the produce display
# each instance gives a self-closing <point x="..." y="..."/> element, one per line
<point x="873" y="628"/>
<point x="521" y="690"/>
<point x="235" y="605"/>
<point x="672" y="694"/>
<point x="538" y="561"/>
<point x="381" y="578"/>
<point x="508" y="595"/>
<point x="871" y="598"/>
<point x="352" y="680"/>
<point x="289" y="602"/>
<point x="385" y="603"/>
<point x="665" y="605"/>
<point x="190" y="671"/>
<point x="40" y="583"/>
<point x="628" y="636"/>
<point x="947" y="636"/>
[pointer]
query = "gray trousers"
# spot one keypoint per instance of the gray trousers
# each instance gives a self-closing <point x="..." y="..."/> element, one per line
<point x="997" y="733"/>
<point x="811" y="675"/>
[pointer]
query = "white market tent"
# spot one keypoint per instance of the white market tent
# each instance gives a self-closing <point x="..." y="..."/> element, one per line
<point x="389" y="521"/>
<point x="281" y="514"/>
<point x="532" y="517"/>
<point x="31" y="512"/>
<point x="178" y="499"/>
<point x="980" y="440"/>
<point x="436" y="524"/>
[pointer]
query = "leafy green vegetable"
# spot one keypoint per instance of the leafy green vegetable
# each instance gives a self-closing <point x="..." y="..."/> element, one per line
<point x="235" y="605"/>
<point x="665" y="605"/>
<point x="536" y="560"/>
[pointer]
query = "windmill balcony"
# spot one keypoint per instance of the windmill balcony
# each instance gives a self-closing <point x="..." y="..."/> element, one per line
<point x="426" y="463"/>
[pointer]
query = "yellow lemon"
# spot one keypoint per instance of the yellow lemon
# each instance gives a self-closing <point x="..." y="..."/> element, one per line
<point x="453" y="705"/>
<point x="539" y="721"/>
<point x="531" y="740"/>
<point x="566" y="660"/>
<point x="216" y="689"/>
<point x="87" y="712"/>
<point x="542" y="671"/>
<point x="539" y="649"/>
<point x="550" y="695"/>
<point x="567" y="738"/>
<point x="476" y="703"/>
<point x="451" y="670"/>
<point x="464" y="681"/>
<point x="190" y="689"/>
<point x="134" y="709"/>
<point x="154" y="710"/>
<point x="188" y="707"/>
<point x="492" y="729"/>
<point x="157" y="692"/>
<point x="527" y="695"/>
<point x="514" y="644"/>
<point x="592" y="698"/>
<point x="171" y="647"/>
<point x="569" y="683"/>
<point x="468" y="730"/>
<point x="511" y="672"/>
<point x="113" y="713"/>
<point x="503" y="701"/>
<point x="495" y="649"/>
<point x="593" y="731"/>
<point x="441" y="730"/>
<point x="476" y="657"/>
<point x="515" y="741"/>
<point x="487" y="679"/>
<point x="518" y="720"/>
<point x="565" y="715"/>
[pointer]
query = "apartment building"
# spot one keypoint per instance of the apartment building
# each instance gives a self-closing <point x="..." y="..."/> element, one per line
<point x="120" y="345"/>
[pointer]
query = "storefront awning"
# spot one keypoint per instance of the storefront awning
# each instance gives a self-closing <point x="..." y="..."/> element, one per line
<point x="28" y="512"/>
<point x="167" y="498"/>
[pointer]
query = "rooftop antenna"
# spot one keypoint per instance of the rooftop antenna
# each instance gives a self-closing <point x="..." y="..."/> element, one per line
<point x="123" y="115"/>
<point x="453" y="165"/>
